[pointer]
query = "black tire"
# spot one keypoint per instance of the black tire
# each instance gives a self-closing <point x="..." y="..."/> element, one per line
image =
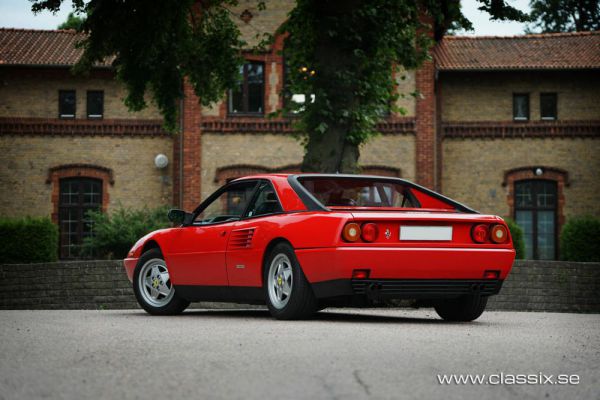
<point x="302" y="302"/>
<point x="174" y="306"/>
<point x="466" y="308"/>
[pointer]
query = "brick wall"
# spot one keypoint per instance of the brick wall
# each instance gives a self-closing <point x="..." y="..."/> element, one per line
<point x="532" y="286"/>
<point x="550" y="286"/>
<point x="488" y="96"/>
<point x="33" y="93"/>
<point x="26" y="161"/>
<point x="66" y="285"/>
<point x="474" y="170"/>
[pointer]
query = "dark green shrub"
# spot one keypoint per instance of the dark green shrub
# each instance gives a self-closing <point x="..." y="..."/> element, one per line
<point x="580" y="239"/>
<point x="517" y="237"/>
<point x="115" y="233"/>
<point x="28" y="240"/>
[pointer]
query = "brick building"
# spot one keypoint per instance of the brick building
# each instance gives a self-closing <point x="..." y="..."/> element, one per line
<point x="509" y="126"/>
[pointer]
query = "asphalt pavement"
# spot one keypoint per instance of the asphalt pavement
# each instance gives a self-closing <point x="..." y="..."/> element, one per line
<point x="341" y="354"/>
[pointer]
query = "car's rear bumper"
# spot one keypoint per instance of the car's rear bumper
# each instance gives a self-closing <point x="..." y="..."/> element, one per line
<point x="129" y="264"/>
<point x="406" y="288"/>
<point x="393" y="263"/>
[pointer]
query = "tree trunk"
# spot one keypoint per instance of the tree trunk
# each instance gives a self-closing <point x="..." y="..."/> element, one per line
<point x="330" y="151"/>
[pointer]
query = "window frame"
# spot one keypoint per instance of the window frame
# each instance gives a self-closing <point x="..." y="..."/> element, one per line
<point x="245" y="96"/>
<point x="210" y="199"/>
<point x="94" y="116"/>
<point x="535" y="209"/>
<point x="80" y="206"/>
<point x="528" y="104"/>
<point x="254" y="197"/>
<point x="555" y="106"/>
<point x="62" y="115"/>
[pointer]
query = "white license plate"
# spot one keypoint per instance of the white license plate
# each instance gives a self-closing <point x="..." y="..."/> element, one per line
<point x="425" y="233"/>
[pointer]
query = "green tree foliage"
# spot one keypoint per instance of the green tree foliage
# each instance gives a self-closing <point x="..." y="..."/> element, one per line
<point x="516" y="233"/>
<point x="28" y="240"/>
<point x="580" y="239"/>
<point x="73" y="22"/>
<point x="564" y="15"/>
<point x="351" y="45"/>
<point x="117" y="232"/>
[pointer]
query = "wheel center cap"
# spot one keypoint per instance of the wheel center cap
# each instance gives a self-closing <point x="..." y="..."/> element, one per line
<point x="155" y="283"/>
<point x="279" y="281"/>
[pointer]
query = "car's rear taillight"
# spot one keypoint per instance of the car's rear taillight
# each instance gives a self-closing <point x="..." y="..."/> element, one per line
<point x="369" y="232"/>
<point x="351" y="232"/>
<point x="498" y="234"/>
<point x="479" y="233"/>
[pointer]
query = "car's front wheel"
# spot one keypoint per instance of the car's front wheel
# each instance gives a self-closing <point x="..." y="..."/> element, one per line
<point x="287" y="291"/>
<point x="153" y="288"/>
<point x="466" y="308"/>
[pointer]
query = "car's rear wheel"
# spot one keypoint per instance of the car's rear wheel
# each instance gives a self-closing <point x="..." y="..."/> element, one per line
<point x="153" y="288"/>
<point x="287" y="291"/>
<point x="466" y="308"/>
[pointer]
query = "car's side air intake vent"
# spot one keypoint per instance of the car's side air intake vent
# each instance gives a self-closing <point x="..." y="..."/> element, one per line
<point x="241" y="239"/>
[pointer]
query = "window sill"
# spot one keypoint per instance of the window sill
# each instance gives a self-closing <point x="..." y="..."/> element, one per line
<point x="253" y="115"/>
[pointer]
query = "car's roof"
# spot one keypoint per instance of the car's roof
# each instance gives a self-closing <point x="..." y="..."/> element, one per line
<point x="314" y="174"/>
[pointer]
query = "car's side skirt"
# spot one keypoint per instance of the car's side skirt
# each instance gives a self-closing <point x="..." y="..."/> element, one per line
<point x="353" y="288"/>
<point x="232" y="294"/>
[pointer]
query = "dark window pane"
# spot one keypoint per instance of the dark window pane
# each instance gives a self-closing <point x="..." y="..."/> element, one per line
<point x="545" y="235"/>
<point x="77" y="197"/>
<point x="535" y="213"/>
<point x="525" y="220"/>
<point x="249" y="97"/>
<point x="523" y="197"/>
<point x="66" y="103"/>
<point x="521" y="107"/>
<point x="548" y="105"/>
<point x="95" y="104"/>
<point x="546" y="194"/>
<point x="229" y="206"/>
<point x="265" y="202"/>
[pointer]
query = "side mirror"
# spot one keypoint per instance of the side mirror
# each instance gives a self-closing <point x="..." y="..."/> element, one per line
<point x="180" y="217"/>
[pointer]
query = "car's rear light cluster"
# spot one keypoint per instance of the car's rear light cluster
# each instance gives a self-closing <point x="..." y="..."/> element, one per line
<point x="483" y="233"/>
<point x="368" y="232"/>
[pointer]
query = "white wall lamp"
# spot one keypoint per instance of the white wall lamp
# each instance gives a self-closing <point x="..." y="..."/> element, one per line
<point x="161" y="161"/>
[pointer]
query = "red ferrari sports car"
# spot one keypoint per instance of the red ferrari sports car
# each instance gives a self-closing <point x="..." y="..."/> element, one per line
<point x="300" y="243"/>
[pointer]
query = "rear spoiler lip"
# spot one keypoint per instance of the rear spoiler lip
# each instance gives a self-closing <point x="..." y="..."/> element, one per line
<point x="312" y="204"/>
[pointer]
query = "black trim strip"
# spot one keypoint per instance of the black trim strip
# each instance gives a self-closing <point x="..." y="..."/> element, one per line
<point x="231" y="294"/>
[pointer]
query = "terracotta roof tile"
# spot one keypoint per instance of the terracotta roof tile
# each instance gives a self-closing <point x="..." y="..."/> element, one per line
<point x="543" y="51"/>
<point x="41" y="47"/>
<point x="580" y="50"/>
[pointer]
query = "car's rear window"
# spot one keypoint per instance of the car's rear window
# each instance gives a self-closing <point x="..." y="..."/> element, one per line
<point x="349" y="192"/>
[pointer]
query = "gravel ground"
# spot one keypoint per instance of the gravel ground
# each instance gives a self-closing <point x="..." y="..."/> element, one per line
<point x="341" y="354"/>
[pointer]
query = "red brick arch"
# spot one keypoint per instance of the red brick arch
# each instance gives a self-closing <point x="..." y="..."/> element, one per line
<point x="560" y="176"/>
<point x="55" y="174"/>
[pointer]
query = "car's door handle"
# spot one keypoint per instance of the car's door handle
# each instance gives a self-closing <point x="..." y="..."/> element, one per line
<point x="223" y="233"/>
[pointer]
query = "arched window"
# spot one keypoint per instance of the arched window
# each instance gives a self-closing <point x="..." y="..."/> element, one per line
<point x="77" y="189"/>
<point x="535" y="213"/>
<point x="536" y="201"/>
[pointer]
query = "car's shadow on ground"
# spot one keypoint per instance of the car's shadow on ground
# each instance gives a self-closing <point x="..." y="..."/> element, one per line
<point x="365" y="316"/>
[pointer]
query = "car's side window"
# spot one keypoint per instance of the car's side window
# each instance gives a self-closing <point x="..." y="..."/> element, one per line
<point x="229" y="205"/>
<point x="265" y="202"/>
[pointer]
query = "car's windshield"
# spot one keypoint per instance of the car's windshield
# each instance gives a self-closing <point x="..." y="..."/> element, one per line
<point x="331" y="192"/>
